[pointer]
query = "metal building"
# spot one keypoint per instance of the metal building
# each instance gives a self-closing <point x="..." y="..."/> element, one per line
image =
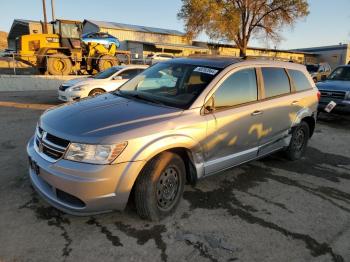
<point x="334" y="55"/>
<point x="142" y="40"/>
<point x="24" y="27"/>
<point x="232" y="50"/>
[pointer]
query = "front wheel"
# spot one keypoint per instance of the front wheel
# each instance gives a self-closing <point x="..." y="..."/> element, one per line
<point x="59" y="64"/>
<point x="106" y="61"/>
<point x="96" y="92"/>
<point x="298" y="142"/>
<point x="160" y="186"/>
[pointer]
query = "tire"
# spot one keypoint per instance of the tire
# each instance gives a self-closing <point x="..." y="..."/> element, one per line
<point x="59" y="64"/>
<point x="105" y="62"/>
<point x="96" y="92"/>
<point x="159" y="187"/>
<point x="298" y="142"/>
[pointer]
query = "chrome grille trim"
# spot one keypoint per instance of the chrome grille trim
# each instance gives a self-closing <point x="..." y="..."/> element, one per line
<point x="41" y="144"/>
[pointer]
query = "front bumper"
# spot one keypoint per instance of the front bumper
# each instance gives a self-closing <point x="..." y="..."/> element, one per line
<point x="81" y="188"/>
<point x="343" y="106"/>
<point x="67" y="96"/>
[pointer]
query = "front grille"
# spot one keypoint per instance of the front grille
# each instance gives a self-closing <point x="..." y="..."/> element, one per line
<point x="333" y="94"/>
<point x="49" y="145"/>
<point x="63" y="87"/>
<point x="56" y="140"/>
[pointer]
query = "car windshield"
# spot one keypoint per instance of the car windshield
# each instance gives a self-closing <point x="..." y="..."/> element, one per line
<point x="312" y="68"/>
<point x="170" y="84"/>
<point x="340" y="73"/>
<point x="107" y="73"/>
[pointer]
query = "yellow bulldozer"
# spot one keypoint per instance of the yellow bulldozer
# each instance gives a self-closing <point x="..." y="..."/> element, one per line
<point x="63" y="52"/>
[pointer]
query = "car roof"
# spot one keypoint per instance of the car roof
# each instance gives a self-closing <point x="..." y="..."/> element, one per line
<point x="208" y="61"/>
<point x="226" y="61"/>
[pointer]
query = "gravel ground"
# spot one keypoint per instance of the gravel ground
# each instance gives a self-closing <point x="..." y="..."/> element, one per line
<point x="267" y="210"/>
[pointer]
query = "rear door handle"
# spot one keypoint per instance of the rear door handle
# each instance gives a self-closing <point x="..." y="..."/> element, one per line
<point x="256" y="113"/>
<point x="294" y="103"/>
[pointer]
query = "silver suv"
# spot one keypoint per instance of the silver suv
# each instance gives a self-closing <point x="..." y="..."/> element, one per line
<point x="178" y="121"/>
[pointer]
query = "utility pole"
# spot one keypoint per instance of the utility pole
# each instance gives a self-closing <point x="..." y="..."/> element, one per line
<point x="45" y="31"/>
<point x="53" y="9"/>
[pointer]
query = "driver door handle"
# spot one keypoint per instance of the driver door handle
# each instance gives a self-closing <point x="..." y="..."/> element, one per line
<point x="256" y="113"/>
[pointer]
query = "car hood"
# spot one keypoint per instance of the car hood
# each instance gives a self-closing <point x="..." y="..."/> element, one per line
<point x="103" y="119"/>
<point x="83" y="80"/>
<point x="334" y="85"/>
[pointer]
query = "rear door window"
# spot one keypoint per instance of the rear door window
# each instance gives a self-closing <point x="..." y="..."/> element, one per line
<point x="276" y="81"/>
<point x="300" y="81"/>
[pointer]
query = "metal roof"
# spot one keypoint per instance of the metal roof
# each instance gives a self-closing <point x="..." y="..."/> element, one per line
<point x="207" y="44"/>
<point x="137" y="28"/>
<point x="25" y="21"/>
<point x="170" y="46"/>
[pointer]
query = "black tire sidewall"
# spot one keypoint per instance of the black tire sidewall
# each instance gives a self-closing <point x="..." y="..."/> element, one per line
<point x="146" y="186"/>
<point x="292" y="153"/>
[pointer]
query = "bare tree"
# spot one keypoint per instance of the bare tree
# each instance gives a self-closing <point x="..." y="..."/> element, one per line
<point x="239" y="20"/>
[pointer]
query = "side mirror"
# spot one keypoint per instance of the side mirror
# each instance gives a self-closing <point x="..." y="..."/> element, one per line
<point x="209" y="106"/>
<point x="117" y="78"/>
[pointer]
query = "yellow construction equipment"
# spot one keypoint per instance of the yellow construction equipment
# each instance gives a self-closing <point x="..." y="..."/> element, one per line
<point x="63" y="52"/>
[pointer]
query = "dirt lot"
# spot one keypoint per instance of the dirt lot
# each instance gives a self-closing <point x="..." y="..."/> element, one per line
<point x="267" y="210"/>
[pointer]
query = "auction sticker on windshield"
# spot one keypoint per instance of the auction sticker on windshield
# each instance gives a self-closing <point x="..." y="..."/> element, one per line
<point x="205" y="70"/>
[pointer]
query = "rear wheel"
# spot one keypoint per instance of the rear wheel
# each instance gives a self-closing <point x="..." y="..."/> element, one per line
<point x="298" y="142"/>
<point x="59" y="64"/>
<point x="159" y="187"/>
<point x="106" y="61"/>
<point x="96" y="92"/>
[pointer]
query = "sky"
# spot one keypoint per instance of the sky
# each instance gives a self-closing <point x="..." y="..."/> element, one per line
<point x="327" y="24"/>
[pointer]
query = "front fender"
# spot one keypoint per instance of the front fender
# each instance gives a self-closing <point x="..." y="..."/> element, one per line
<point x="153" y="148"/>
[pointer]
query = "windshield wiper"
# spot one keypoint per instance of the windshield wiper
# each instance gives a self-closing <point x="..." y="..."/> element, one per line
<point x="138" y="96"/>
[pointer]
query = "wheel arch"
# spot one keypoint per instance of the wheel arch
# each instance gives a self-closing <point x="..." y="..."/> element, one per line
<point x="307" y="116"/>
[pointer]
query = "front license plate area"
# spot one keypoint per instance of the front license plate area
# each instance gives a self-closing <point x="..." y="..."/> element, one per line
<point x="331" y="105"/>
<point x="34" y="166"/>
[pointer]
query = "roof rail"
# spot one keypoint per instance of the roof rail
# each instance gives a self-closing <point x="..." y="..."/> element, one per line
<point x="271" y="58"/>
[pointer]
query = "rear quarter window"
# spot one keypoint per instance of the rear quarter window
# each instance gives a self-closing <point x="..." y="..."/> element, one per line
<point x="300" y="81"/>
<point x="276" y="81"/>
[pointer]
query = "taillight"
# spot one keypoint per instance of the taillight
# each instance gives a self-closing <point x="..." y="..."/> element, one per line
<point x="318" y="95"/>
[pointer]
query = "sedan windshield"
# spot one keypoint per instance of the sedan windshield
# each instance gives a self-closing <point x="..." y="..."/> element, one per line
<point x="171" y="84"/>
<point x="340" y="73"/>
<point x="107" y="73"/>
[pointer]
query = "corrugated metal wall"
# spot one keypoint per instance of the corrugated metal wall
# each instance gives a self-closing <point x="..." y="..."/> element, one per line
<point x="124" y="35"/>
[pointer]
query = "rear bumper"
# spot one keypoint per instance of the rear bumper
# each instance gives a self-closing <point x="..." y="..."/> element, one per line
<point x="80" y="188"/>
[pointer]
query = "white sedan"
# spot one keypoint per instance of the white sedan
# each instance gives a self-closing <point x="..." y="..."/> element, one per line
<point x="106" y="81"/>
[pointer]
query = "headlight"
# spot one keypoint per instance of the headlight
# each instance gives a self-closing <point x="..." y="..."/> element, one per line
<point x="95" y="154"/>
<point x="77" y="88"/>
